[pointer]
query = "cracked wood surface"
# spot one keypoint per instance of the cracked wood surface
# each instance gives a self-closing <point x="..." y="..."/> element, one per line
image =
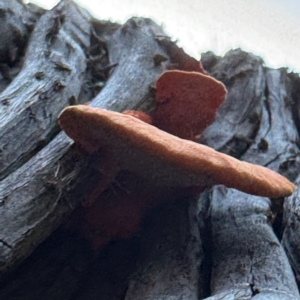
<point x="39" y="193"/>
<point x="51" y="76"/>
<point x="248" y="260"/>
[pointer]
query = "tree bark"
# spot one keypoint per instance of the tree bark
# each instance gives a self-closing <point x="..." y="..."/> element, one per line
<point x="46" y="187"/>
<point x="244" y="245"/>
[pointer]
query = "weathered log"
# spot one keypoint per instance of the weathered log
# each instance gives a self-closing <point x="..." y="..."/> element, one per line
<point x="170" y="255"/>
<point x="238" y="118"/>
<point x="244" y="246"/>
<point x="291" y="224"/>
<point x="16" y="23"/>
<point x="47" y="187"/>
<point x="291" y="230"/>
<point x="276" y="143"/>
<point x="295" y="94"/>
<point x="248" y="261"/>
<point x="242" y="242"/>
<point x="257" y="110"/>
<point x="51" y="78"/>
<point x="133" y="79"/>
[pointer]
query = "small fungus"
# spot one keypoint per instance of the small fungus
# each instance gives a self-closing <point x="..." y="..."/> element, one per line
<point x="186" y="102"/>
<point x="162" y="158"/>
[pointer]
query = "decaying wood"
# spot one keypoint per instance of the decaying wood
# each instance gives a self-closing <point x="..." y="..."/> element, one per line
<point x="247" y="258"/>
<point x="133" y="49"/>
<point x="51" y="78"/>
<point x="291" y="232"/>
<point x="291" y="220"/>
<point x="170" y="255"/>
<point x="16" y="23"/>
<point x="41" y="191"/>
<point x="244" y="246"/>
<point x="238" y="119"/>
<point x="222" y="246"/>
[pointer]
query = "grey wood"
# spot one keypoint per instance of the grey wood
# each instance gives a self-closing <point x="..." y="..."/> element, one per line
<point x="55" y="165"/>
<point x="52" y="75"/>
<point x="171" y="255"/>
<point x="248" y="261"/>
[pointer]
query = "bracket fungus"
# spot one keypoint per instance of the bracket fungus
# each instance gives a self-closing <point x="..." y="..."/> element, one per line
<point x="162" y="158"/>
<point x="186" y="102"/>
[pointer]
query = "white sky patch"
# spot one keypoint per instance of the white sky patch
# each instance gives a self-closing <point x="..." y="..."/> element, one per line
<point x="268" y="28"/>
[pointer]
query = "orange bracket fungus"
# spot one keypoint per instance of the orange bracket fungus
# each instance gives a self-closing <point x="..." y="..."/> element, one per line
<point x="186" y="102"/>
<point x="164" y="159"/>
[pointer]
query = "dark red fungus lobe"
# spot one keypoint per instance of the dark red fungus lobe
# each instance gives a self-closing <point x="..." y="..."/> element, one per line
<point x="118" y="212"/>
<point x="187" y="102"/>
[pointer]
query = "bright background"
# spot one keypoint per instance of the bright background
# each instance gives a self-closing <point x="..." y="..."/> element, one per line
<point x="268" y="28"/>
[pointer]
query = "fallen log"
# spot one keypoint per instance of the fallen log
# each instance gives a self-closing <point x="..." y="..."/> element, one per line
<point x="47" y="187"/>
<point x="171" y="255"/>
<point x="51" y="78"/>
<point x="17" y="22"/>
<point x="244" y="245"/>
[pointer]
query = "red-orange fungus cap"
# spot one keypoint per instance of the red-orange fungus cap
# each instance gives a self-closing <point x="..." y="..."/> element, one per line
<point x="187" y="102"/>
<point x="165" y="159"/>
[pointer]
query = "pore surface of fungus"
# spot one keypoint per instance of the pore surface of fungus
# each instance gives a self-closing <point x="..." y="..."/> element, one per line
<point x="165" y="159"/>
<point x="186" y="102"/>
<point x="119" y="210"/>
